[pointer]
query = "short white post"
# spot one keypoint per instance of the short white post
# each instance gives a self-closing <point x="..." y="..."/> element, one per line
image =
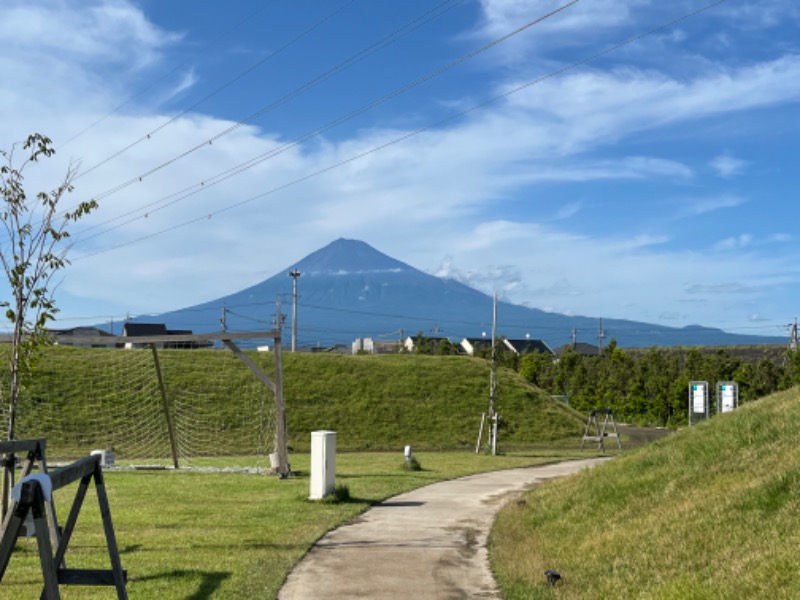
<point x="323" y="464"/>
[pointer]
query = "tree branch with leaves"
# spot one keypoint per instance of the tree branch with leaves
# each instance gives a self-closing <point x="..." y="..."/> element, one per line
<point x="33" y="249"/>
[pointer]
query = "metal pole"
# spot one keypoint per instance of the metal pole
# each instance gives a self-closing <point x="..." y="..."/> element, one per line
<point x="294" y="275"/>
<point x="493" y="377"/>
<point x="165" y="405"/>
<point x="280" y="415"/>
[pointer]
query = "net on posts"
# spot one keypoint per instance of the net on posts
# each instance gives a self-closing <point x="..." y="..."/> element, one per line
<point x="207" y="407"/>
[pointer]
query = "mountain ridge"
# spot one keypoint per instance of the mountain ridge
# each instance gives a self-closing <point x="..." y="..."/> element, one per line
<point x="348" y="289"/>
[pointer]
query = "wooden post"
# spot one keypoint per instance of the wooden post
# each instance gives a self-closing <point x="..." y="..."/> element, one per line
<point x="165" y="403"/>
<point x="277" y="389"/>
<point x="280" y="414"/>
<point x="480" y="434"/>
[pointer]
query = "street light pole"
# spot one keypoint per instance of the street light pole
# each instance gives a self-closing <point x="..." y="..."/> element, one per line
<point x="294" y="275"/>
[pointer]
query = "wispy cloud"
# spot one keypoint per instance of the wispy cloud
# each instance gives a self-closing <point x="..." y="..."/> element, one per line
<point x="727" y="166"/>
<point x="734" y="243"/>
<point x="701" y="206"/>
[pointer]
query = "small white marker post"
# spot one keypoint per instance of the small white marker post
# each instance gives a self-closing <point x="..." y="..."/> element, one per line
<point x="323" y="464"/>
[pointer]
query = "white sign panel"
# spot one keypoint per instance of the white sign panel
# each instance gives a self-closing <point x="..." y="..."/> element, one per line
<point x="699" y="398"/>
<point x="728" y="397"/>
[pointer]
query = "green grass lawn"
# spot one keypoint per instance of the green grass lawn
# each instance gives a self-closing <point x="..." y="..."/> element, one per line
<point x="193" y="535"/>
<point x="709" y="512"/>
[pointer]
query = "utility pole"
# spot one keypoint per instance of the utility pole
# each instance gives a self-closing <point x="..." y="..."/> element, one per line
<point x="793" y="336"/>
<point x="600" y="335"/>
<point x="278" y="322"/>
<point x="574" y="338"/>
<point x="223" y="321"/>
<point x="294" y="274"/>
<point x="493" y="380"/>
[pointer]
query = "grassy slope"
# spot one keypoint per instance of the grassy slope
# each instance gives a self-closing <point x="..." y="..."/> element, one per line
<point x="374" y="402"/>
<point x="710" y="512"/>
<point x="385" y="402"/>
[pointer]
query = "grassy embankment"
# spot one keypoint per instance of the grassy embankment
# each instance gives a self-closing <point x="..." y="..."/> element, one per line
<point x="710" y="512"/>
<point x="190" y="535"/>
<point x="373" y="402"/>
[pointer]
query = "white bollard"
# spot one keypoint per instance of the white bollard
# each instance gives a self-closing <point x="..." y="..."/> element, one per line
<point x="323" y="464"/>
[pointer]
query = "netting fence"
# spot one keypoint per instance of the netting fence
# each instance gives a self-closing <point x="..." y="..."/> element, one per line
<point x="201" y="408"/>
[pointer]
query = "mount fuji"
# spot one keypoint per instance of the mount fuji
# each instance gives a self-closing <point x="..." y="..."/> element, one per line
<point x="348" y="290"/>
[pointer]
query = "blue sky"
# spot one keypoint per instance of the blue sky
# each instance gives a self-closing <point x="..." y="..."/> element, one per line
<point x="562" y="167"/>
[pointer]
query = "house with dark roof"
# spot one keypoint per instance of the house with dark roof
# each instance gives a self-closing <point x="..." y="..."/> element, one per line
<point x="134" y="330"/>
<point x="528" y="346"/>
<point x="79" y="336"/>
<point x="476" y="346"/>
<point x="581" y="348"/>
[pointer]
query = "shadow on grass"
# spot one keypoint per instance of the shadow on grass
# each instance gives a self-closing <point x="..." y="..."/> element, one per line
<point x="209" y="584"/>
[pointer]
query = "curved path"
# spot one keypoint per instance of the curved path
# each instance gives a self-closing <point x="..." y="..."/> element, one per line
<point x="427" y="543"/>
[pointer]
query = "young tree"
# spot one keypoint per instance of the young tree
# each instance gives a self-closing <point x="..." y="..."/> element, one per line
<point x="33" y="251"/>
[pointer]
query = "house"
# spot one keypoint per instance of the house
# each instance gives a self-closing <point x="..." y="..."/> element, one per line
<point x="528" y="346"/>
<point x="372" y="346"/>
<point x="134" y="330"/>
<point x="431" y="345"/>
<point x="476" y="346"/>
<point x="581" y="348"/>
<point x="78" y="336"/>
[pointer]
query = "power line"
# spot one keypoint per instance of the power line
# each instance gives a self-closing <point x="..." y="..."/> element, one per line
<point x="225" y="85"/>
<point x="158" y="80"/>
<point x="399" y="139"/>
<point x="403" y="31"/>
<point x="219" y="178"/>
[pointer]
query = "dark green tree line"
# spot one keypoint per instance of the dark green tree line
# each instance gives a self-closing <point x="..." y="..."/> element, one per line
<point x="650" y="387"/>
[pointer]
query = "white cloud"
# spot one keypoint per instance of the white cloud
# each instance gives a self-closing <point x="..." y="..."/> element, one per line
<point x="591" y="107"/>
<point x="727" y="166"/>
<point x="502" y="16"/>
<point x="701" y="206"/>
<point x="734" y="243"/>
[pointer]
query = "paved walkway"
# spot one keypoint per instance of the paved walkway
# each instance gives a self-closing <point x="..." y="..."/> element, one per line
<point x="428" y="543"/>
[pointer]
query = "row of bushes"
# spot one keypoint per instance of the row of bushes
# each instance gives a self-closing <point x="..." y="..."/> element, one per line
<point x="651" y="387"/>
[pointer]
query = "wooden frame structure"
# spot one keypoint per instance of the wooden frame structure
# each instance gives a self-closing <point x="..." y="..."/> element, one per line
<point x="32" y="499"/>
<point x="34" y="452"/>
<point x="600" y="432"/>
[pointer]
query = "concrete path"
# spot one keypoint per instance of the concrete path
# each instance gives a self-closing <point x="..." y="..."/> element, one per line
<point x="428" y="543"/>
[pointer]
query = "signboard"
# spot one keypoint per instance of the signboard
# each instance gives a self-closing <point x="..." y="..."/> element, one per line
<point x="727" y="396"/>
<point x="698" y="401"/>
